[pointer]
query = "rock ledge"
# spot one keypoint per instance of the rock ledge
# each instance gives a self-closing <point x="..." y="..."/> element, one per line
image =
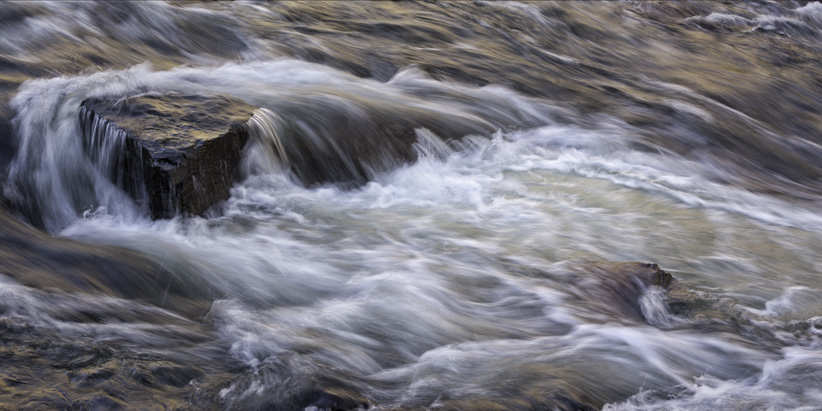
<point x="172" y="153"/>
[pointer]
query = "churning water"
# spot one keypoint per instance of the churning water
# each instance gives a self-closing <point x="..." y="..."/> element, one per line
<point x="483" y="275"/>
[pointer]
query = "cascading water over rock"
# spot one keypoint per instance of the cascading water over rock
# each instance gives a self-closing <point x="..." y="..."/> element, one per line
<point x="175" y="153"/>
<point x="171" y="153"/>
<point x="410" y="205"/>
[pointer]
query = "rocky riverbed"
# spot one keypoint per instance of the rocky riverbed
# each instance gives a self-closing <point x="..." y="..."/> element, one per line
<point x="410" y="205"/>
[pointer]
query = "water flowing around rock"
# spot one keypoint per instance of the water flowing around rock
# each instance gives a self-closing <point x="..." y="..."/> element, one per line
<point x="173" y="154"/>
<point x="410" y="205"/>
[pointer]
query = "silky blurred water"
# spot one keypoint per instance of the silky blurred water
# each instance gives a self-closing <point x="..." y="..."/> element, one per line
<point x="481" y="276"/>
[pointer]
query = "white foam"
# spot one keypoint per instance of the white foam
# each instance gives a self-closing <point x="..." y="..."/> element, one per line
<point x="51" y="159"/>
<point x="472" y="175"/>
<point x="782" y="384"/>
<point x="727" y="19"/>
<point x="655" y="308"/>
<point x="628" y="359"/>
<point x="796" y="303"/>
<point x="811" y="13"/>
<point x="443" y="276"/>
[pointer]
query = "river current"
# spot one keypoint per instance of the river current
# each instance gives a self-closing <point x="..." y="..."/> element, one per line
<point x="489" y="273"/>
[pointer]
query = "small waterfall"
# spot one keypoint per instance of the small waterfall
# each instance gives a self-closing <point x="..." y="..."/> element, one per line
<point x="113" y="155"/>
<point x="265" y="129"/>
<point x="347" y="148"/>
<point x="316" y="124"/>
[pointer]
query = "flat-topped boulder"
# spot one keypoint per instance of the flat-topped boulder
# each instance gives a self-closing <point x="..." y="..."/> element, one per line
<point x="172" y="153"/>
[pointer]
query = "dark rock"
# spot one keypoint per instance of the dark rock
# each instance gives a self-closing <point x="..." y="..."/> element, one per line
<point x="709" y="310"/>
<point x="176" y="376"/>
<point x="614" y="288"/>
<point x="172" y="153"/>
<point x="100" y="402"/>
<point x="342" y="149"/>
<point x="328" y="401"/>
<point x="7" y="147"/>
<point x="334" y="144"/>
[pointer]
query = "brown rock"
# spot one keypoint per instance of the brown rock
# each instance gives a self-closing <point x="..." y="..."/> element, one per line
<point x="172" y="153"/>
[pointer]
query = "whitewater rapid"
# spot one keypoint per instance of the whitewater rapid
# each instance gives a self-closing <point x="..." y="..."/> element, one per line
<point x="485" y="274"/>
<point x="456" y="265"/>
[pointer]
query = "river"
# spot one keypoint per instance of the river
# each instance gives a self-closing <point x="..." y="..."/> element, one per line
<point x="500" y="270"/>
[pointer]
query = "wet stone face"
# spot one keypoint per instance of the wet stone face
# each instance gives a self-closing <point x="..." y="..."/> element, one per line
<point x="177" y="154"/>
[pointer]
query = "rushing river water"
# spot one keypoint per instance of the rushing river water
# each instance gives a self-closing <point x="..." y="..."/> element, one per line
<point x="491" y="273"/>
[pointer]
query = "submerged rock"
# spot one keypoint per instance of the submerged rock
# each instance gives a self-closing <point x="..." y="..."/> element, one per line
<point x="613" y="290"/>
<point x="350" y="144"/>
<point x="38" y="260"/>
<point x="172" y="153"/>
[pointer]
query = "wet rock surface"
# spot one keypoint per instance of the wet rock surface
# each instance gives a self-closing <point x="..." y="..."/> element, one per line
<point x="179" y="154"/>
<point x="45" y="366"/>
<point x="332" y="145"/>
<point x="38" y="260"/>
<point x="615" y="288"/>
<point x="725" y="57"/>
<point x="61" y="363"/>
<point x="734" y="84"/>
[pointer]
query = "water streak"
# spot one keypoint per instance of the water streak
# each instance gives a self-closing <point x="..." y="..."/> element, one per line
<point x="434" y="209"/>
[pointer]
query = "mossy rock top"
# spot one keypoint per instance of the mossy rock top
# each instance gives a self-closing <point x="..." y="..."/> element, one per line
<point x="173" y="121"/>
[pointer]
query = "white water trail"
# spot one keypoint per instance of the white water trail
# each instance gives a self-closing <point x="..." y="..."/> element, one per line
<point x="52" y="164"/>
<point x="445" y="275"/>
